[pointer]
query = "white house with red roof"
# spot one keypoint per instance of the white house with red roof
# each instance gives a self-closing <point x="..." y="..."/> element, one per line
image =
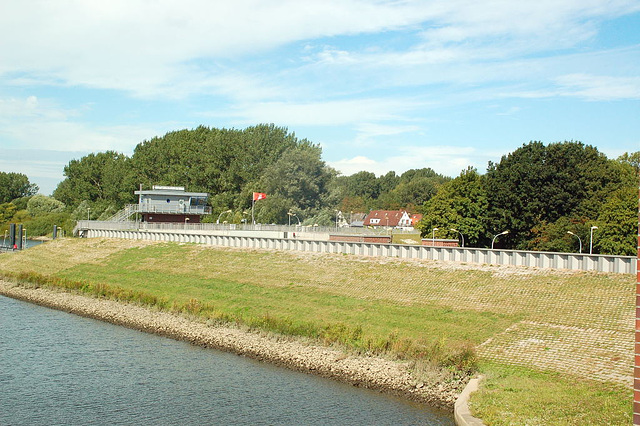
<point x="388" y="219"/>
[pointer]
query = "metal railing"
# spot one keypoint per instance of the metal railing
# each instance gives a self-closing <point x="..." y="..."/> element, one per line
<point x="130" y="209"/>
<point x="224" y="237"/>
<point x="132" y="225"/>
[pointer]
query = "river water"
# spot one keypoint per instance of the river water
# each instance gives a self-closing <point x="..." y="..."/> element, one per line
<point x="61" y="369"/>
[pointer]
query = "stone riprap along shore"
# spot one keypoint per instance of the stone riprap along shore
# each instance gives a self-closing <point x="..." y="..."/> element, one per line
<point x="297" y="354"/>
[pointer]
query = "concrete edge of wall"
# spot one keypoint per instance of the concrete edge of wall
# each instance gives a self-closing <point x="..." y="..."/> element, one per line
<point x="462" y="414"/>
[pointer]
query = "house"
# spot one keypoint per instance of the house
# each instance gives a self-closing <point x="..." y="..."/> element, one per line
<point x="356" y="219"/>
<point x="415" y="218"/>
<point x="171" y="204"/>
<point x="388" y="219"/>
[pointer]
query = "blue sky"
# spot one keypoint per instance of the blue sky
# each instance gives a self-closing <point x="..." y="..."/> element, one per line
<point x="380" y="85"/>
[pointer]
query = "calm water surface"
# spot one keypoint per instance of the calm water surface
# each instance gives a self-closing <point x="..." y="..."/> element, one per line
<point x="61" y="369"/>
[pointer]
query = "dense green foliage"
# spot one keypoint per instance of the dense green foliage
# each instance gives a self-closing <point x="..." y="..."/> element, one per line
<point x="103" y="178"/>
<point x="459" y="206"/>
<point x="539" y="184"/>
<point x="362" y="191"/>
<point x="538" y="192"/>
<point x="15" y="185"/>
<point x="228" y="164"/>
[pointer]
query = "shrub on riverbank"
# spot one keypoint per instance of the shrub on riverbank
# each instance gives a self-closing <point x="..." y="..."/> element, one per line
<point x="576" y="326"/>
<point x="459" y="359"/>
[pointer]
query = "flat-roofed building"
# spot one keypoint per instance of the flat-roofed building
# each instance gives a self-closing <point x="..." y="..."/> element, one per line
<point x="171" y="204"/>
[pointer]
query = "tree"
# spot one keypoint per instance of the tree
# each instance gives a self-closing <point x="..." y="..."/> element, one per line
<point x="15" y="185"/>
<point x="362" y="185"/>
<point x="539" y="184"/>
<point x="103" y="177"/>
<point x="211" y="160"/>
<point x="41" y="204"/>
<point x="618" y="224"/>
<point x="7" y="211"/>
<point x="272" y="210"/>
<point x="459" y="204"/>
<point x="300" y="177"/>
<point x="554" y="236"/>
<point x="388" y="182"/>
<point x="633" y="160"/>
<point x="353" y="204"/>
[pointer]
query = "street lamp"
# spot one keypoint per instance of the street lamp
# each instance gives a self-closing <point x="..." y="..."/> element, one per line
<point x="88" y="211"/>
<point x="579" y="240"/>
<point x="433" y="236"/>
<point x="591" y="239"/>
<point x="290" y="213"/>
<point x="186" y="219"/>
<point x="462" y="236"/>
<point x="496" y="236"/>
<point x="220" y="215"/>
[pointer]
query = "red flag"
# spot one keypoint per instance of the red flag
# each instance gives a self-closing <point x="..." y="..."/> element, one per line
<point x="259" y="196"/>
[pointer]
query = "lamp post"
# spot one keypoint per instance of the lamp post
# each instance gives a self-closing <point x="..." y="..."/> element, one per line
<point x="579" y="240"/>
<point x="186" y="220"/>
<point x="591" y="239"/>
<point x="88" y="211"/>
<point x="461" y="236"/>
<point x="496" y="236"/>
<point x="220" y="215"/>
<point x="291" y="214"/>
<point x="433" y="236"/>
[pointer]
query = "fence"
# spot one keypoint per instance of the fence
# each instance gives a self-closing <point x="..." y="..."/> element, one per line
<point x="130" y="225"/>
<point x="284" y="241"/>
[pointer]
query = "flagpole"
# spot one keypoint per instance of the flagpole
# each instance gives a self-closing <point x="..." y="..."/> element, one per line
<point x="253" y="203"/>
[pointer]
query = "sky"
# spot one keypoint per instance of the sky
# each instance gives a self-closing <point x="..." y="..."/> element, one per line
<point x="379" y="85"/>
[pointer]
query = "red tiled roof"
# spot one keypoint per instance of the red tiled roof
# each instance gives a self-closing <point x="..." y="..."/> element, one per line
<point x="385" y="218"/>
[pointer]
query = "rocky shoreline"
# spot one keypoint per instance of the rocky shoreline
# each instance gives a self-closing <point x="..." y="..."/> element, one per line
<point x="297" y="354"/>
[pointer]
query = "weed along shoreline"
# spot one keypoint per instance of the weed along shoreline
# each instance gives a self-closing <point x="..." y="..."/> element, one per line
<point x="418" y="329"/>
<point x="298" y="354"/>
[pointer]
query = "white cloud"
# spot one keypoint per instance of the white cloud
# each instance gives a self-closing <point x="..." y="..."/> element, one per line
<point x="137" y="45"/>
<point x="33" y="123"/>
<point x="327" y="113"/>
<point x="446" y="160"/>
<point x="171" y="47"/>
<point x="599" y="88"/>
<point x="307" y="63"/>
<point x="43" y="167"/>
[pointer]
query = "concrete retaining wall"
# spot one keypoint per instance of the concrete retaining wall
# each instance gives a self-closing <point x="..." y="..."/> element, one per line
<point x="461" y="413"/>
<point x="573" y="261"/>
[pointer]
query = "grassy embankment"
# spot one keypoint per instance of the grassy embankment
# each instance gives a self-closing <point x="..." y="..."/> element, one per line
<point x="519" y="322"/>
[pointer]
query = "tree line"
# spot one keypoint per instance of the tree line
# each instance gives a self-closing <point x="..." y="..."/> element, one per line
<point x="537" y="193"/>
